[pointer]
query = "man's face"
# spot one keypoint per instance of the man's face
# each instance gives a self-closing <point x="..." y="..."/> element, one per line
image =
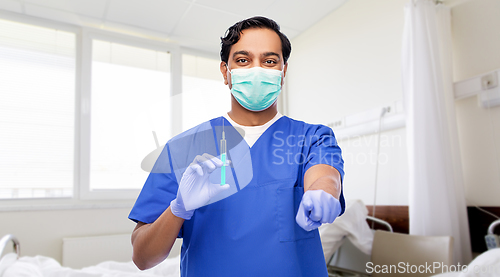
<point x="256" y="47"/>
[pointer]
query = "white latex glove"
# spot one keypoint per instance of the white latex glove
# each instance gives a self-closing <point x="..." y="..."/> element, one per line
<point x="195" y="189"/>
<point x="317" y="207"/>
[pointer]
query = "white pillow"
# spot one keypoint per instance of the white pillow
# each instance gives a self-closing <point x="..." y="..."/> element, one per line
<point x="484" y="265"/>
<point x="7" y="261"/>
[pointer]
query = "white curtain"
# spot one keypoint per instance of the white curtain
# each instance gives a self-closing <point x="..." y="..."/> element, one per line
<point x="437" y="203"/>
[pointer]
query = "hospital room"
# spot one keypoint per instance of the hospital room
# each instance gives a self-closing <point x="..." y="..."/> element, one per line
<point x="249" y="138"/>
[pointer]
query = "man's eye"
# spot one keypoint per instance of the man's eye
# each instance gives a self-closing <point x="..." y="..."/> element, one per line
<point x="270" y="62"/>
<point x="241" y="60"/>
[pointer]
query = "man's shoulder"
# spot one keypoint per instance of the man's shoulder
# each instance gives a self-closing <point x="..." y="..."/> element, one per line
<point x="306" y="126"/>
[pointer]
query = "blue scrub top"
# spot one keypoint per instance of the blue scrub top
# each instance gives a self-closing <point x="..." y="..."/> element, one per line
<point x="252" y="232"/>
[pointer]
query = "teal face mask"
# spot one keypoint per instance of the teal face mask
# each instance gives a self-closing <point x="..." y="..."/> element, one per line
<point x="256" y="88"/>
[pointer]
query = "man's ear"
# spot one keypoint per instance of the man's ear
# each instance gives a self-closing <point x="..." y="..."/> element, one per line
<point x="223" y="70"/>
<point x="284" y="73"/>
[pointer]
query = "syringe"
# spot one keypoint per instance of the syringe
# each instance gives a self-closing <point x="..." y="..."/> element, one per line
<point x="223" y="159"/>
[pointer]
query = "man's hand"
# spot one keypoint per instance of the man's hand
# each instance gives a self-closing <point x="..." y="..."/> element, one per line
<point x="195" y="189"/>
<point x="317" y="207"/>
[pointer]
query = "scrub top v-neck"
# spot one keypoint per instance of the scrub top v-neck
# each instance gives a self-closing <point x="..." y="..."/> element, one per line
<point x="253" y="231"/>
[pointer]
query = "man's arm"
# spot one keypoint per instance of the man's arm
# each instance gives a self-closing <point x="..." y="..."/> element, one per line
<point x="152" y="242"/>
<point x="320" y="202"/>
<point x="324" y="177"/>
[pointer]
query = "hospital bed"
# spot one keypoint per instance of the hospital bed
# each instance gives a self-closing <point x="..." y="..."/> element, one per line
<point x="12" y="264"/>
<point x="362" y="249"/>
<point x="391" y="248"/>
<point x="355" y="240"/>
<point x="349" y="260"/>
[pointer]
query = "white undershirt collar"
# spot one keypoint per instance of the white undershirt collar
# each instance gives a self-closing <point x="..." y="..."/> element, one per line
<point x="252" y="133"/>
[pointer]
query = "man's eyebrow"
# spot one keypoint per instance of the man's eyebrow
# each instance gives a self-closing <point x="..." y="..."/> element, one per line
<point x="267" y="54"/>
<point x="241" y="52"/>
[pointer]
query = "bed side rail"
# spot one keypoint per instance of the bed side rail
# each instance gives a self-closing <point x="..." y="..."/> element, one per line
<point x="494" y="224"/>
<point x="380" y="221"/>
<point x="5" y="241"/>
<point x="492" y="240"/>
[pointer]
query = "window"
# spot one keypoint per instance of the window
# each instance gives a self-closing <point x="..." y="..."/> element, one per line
<point x="37" y="111"/>
<point x="104" y="103"/>
<point x="204" y="95"/>
<point x="130" y="99"/>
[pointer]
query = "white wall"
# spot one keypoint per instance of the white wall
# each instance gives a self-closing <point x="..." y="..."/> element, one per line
<point x="41" y="232"/>
<point x="476" y="50"/>
<point x="359" y="160"/>
<point x="347" y="63"/>
<point x="350" y="62"/>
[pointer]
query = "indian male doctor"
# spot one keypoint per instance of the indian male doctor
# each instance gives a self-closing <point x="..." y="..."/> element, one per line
<point x="269" y="227"/>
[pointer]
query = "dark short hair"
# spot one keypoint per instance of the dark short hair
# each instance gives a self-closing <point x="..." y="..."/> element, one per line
<point x="233" y="35"/>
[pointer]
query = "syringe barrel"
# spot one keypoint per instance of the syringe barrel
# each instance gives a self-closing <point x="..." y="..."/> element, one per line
<point x="223" y="148"/>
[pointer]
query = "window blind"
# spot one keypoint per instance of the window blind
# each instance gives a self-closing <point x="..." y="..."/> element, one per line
<point x="130" y="99"/>
<point x="37" y="111"/>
